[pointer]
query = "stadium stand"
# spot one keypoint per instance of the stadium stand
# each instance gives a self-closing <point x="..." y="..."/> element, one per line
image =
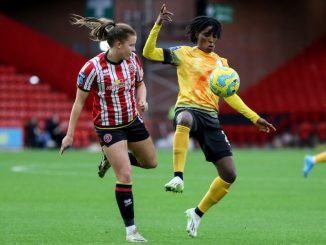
<point x="291" y="97"/>
<point x="288" y="97"/>
<point x="57" y="67"/>
<point x="20" y="100"/>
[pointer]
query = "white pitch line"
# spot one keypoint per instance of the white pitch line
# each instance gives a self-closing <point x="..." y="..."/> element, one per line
<point x="39" y="170"/>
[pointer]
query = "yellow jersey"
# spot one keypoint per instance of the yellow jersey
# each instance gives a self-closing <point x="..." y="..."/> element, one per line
<point x="193" y="69"/>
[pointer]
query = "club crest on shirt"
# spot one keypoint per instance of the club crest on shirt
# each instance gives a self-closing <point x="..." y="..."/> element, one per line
<point x="131" y="68"/>
<point x="107" y="138"/>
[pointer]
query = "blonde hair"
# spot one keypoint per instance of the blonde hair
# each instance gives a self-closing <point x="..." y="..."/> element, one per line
<point x="103" y="29"/>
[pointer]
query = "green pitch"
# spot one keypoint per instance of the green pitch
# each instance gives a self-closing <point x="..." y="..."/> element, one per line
<point x="46" y="198"/>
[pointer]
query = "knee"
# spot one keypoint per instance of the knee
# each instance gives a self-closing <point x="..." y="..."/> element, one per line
<point x="151" y="164"/>
<point x="123" y="174"/>
<point x="184" y="119"/>
<point x="226" y="169"/>
<point x="124" y="178"/>
<point x="185" y="123"/>
<point x="229" y="176"/>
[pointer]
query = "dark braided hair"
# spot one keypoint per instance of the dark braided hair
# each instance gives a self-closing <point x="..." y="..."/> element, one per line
<point x="199" y="23"/>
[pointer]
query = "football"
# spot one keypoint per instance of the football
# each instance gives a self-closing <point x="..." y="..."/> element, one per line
<point x="224" y="81"/>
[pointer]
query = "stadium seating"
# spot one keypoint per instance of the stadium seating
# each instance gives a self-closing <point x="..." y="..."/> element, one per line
<point x="20" y="100"/>
<point x="321" y="131"/>
<point x="292" y="95"/>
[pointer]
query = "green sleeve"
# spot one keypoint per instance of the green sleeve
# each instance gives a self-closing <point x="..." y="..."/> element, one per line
<point x="236" y="103"/>
<point x="150" y="50"/>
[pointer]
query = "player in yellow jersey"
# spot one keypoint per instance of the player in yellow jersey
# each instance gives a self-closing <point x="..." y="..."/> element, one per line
<point x="197" y="109"/>
<point x="310" y="161"/>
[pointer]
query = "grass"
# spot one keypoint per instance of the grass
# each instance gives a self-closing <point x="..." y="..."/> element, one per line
<point x="46" y="198"/>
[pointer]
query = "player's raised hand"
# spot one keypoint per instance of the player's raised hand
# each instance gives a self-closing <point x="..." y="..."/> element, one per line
<point x="66" y="143"/>
<point x="164" y="15"/>
<point x="264" y="126"/>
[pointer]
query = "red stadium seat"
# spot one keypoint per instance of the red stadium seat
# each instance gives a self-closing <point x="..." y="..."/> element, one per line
<point x="20" y="101"/>
<point x="321" y="131"/>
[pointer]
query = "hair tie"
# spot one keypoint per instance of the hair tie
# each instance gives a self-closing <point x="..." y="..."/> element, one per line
<point x="109" y="27"/>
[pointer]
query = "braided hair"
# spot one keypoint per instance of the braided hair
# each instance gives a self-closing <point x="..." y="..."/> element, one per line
<point x="103" y="29"/>
<point x="199" y="23"/>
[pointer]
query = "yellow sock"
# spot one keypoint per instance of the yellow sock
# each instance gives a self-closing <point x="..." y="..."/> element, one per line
<point x="218" y="189"/>
<point x="180" y="147"/>
<point x="320" y="158"/>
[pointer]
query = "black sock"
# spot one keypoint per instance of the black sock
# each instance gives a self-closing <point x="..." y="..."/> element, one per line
<point x="198" y="212"/>
<point x="179" y="174"/>
<point x="133" y="160"/>
<point x="124" y="197"/>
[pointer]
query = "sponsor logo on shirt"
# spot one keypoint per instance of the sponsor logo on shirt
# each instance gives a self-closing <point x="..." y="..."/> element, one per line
<point x="174" y="48"/>
<point x="105" y="71"/>
<point x="119" y="84"/>
<point x="81" y="78"/>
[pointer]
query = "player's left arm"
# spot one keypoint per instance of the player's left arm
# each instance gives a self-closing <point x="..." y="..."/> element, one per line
<point x="141" y="94"/>
<point x="141" y="91"/>
<point x="237" y="103"/>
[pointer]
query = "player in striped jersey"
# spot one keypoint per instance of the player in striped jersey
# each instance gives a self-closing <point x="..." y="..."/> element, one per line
<point x="197" y="109"/>
<point x="115" y="80"/>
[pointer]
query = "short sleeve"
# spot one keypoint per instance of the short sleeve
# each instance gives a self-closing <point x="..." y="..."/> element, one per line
<point x="171" y="55"/>
<point x="139" y="70"/>
<point x="86" y="76"/>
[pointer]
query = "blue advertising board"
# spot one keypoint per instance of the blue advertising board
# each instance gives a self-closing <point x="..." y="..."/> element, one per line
<point x="11" y="138"/>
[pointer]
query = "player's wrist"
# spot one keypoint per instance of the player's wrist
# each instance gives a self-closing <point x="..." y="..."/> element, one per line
<point x="159" y="21"/>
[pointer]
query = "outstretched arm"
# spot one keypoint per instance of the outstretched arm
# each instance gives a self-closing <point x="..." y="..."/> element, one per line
<point x="150" y="50"/>
<point x="236" y="103"/>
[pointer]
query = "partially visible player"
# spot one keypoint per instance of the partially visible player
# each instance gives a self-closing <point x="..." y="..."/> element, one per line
<point x="311" y="160"/>
<point x="115" y="79"/>
<point x="197" y="109"/>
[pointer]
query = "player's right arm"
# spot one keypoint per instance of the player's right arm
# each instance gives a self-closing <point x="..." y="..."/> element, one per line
<point x="77" y="108"/>
<point x="150" y="50"/>
<point x="85" y="80"/>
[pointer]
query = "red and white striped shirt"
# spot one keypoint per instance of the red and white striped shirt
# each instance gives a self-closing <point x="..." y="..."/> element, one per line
<point x="113" y="88"/>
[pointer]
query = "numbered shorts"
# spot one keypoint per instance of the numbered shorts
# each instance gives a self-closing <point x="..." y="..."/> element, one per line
<point x="209" y="134"/>
<point x="132" y="132"/>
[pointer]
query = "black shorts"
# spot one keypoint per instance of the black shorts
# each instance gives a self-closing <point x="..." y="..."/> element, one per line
<point x="209" y="134"/>
<point x="132" y="132"/>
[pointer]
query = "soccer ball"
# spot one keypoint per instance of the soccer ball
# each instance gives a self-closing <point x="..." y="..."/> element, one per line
<point x="224" y="81"/>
